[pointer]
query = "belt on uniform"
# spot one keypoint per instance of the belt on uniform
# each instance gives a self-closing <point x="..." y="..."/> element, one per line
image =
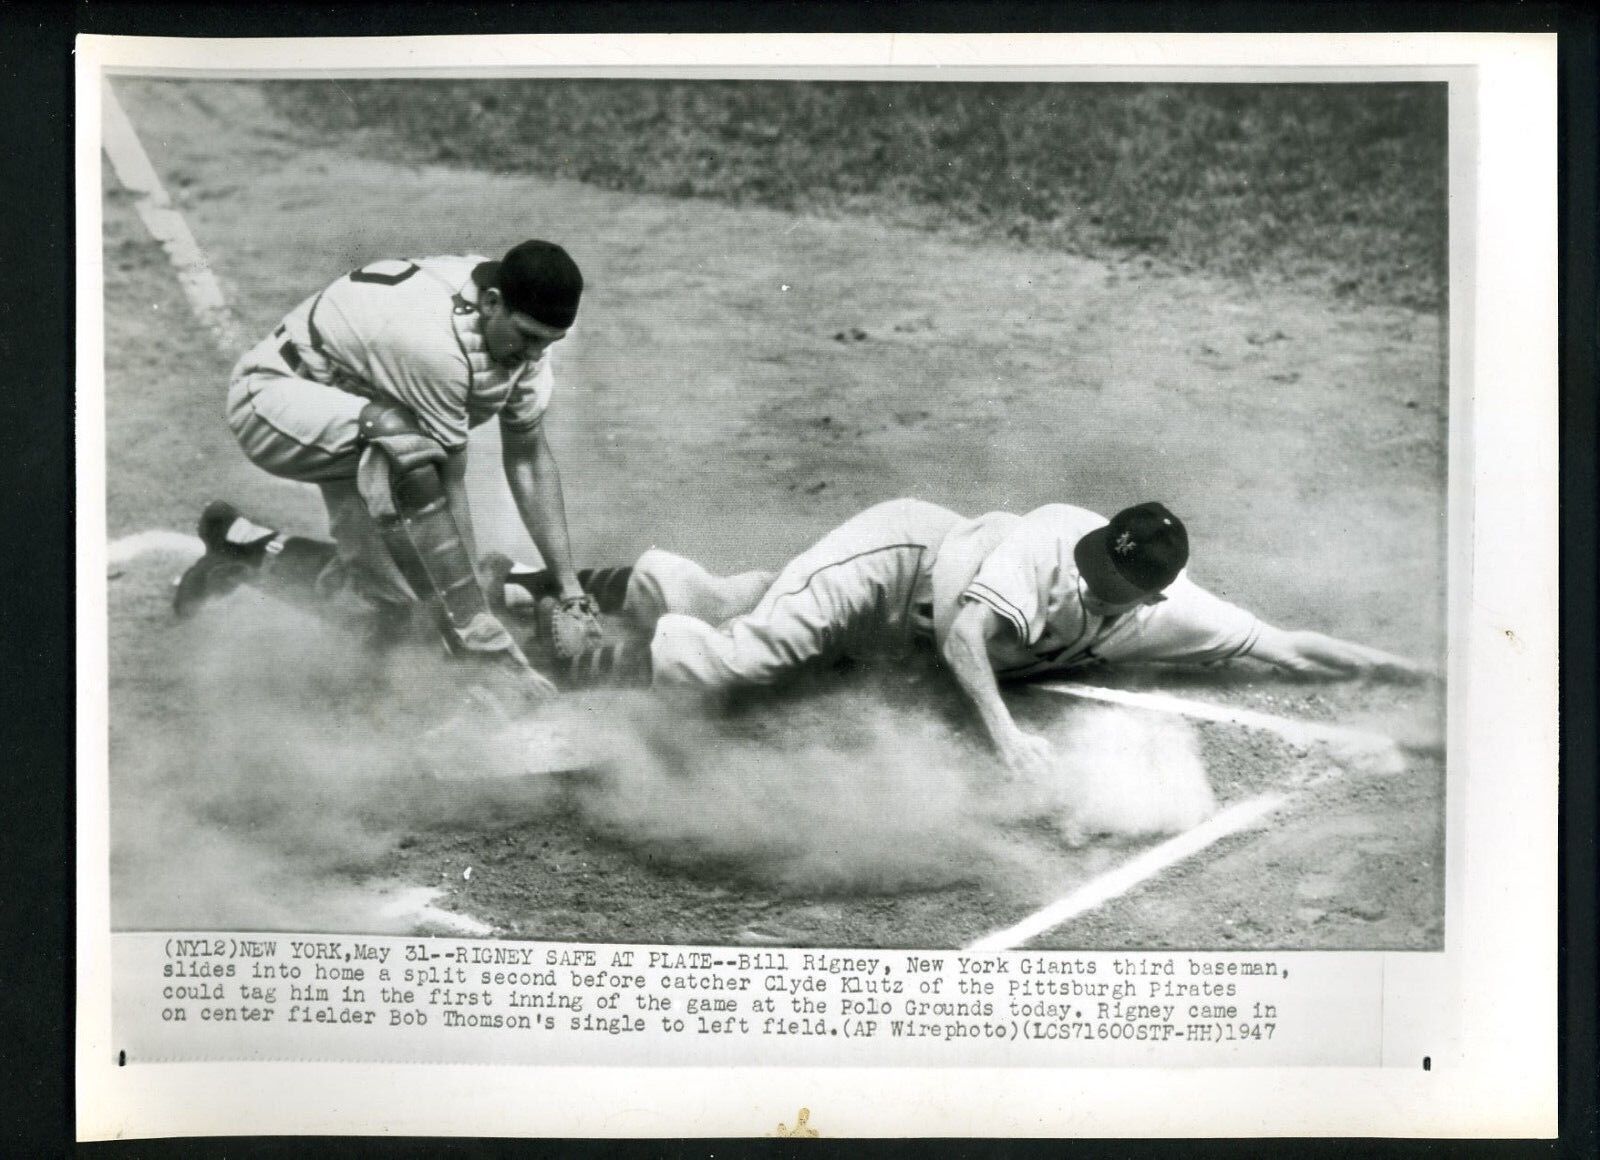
<point x="289" y="352"/>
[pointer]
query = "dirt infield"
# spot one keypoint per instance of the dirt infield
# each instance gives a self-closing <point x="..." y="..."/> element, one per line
<point x="743" y="379"/>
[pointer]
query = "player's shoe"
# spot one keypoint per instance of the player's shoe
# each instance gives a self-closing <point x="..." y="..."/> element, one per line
<point x="234" y="549"/>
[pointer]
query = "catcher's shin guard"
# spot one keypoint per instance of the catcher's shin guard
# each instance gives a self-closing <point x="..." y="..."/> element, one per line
<point x="240" y="551"/>
<point x="421" y="533"/>
<point x="428" y="547"/>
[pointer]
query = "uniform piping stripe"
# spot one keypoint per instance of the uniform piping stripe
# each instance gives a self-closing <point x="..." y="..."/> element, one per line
<point x="1075" y="646"/>
<point x="1249" y="642"/>
<point x="1001" y="605"/>
<point x="311" y="328"/>
<point x="911" y="590"/>
<point x="466" y="355"/>
<point x="850" y="559"/>
<point x="458" y="298"/>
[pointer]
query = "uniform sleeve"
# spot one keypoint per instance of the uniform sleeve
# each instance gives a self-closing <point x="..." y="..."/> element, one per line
<point x="530" y="398"/>
<point x="1190" y="625"/>
<point x="1016" y="577"/>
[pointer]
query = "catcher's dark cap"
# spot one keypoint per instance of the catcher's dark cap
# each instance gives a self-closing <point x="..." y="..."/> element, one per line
<point x="538" y="279"/>
<point x="1138" y="553"/>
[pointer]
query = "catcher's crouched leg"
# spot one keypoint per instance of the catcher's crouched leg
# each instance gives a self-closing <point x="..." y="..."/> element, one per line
<point x="399" y="480"/>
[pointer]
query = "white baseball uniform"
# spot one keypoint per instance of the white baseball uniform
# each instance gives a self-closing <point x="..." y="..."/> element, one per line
<point x="406" y="331"/>
<point x="907" y="566"/>
<point x="1022" y="567"/>
<point x="858" y="587"/>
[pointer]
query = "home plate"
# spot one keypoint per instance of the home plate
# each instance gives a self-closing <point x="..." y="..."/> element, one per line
<point x="546" y="749"/>
<point x="156" y="541"/>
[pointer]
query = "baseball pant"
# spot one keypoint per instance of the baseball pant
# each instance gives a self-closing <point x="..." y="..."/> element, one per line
<point x="298" y="429"/>
<point x="854" y="589"/>
<point x="662" y="583"/>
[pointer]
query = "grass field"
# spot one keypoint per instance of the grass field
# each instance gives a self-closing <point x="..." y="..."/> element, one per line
<point x="1337" y="188"/>
<point x="753" y="365"/>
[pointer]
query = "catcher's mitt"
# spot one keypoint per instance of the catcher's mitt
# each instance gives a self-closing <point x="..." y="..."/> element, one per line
<point x="571" y="626"/>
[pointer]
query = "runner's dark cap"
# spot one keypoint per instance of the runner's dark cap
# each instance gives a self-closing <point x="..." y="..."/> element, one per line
<point x="1138" y="553"/>
<point x="538" y="279"/>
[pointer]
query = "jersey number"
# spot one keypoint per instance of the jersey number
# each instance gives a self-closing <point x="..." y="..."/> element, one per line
<point x="367" y="275"/>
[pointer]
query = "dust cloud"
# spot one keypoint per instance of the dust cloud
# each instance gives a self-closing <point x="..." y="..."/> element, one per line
<point x="1128" y="774"/>
<point x="289" y="765"/>
<point x="861" y="790"/>
<point x="271" y="765"/>
<point x="844" y="793"/>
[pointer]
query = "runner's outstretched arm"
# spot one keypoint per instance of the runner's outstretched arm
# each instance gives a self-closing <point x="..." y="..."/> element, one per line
<point x="1317" y="654"/>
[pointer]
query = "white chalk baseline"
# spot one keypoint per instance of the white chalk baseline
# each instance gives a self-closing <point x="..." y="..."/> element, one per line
<point x="1231" y="820"/>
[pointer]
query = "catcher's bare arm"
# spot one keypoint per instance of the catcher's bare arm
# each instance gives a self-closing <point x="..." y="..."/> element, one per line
<point x="453" y="473"/>
<point x="1319" y="655"/>
<point x="535" y="485"/>
<point x="966" y="651"/>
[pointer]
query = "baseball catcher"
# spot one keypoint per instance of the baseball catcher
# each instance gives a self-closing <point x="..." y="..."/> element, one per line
<point x="368" y="389"/>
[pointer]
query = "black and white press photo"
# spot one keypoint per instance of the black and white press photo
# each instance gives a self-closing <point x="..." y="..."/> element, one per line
<point x="783" y="522"/>
<point x="800" y="301"/>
